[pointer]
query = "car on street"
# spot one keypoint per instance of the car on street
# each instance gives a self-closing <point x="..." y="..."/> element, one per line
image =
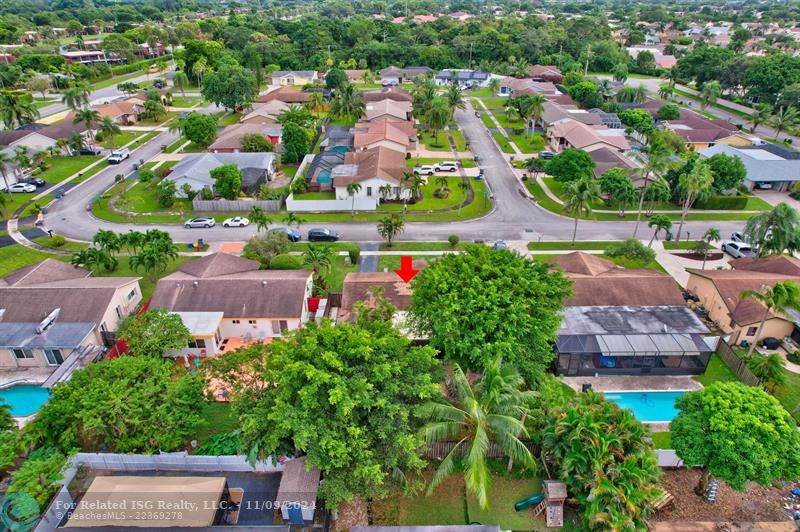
<point x="425" y="169"/>
<point x="446" y="166"/>
<point x="738" y="236"/>
<point x="546" y="154"/>
<point x="35" y="181"/>
<point x="117" y="156"/>
<point x="500" y="244"/>
<point x="738" y="250"/>
<point x="238" y="221"/>
<point x="763" y="185"/>
<point x="322" y="235"/>
<point x="90" y="150"/>
<point x="21" y="187"/>
<point x="201" y="221"/>
<point x="292" y="234"/>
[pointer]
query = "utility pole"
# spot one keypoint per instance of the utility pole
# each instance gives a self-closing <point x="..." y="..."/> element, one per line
<point x="470" y="55"/>
<point x="586" y="67"/>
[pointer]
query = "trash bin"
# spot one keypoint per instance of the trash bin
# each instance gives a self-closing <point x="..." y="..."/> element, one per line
<point x="586" y="387"/>
<point x="669" y="236"/>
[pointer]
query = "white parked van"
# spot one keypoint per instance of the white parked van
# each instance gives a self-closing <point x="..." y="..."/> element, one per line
<point x="117" y="156"/>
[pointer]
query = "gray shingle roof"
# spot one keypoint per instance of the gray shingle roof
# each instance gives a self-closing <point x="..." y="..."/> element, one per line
<point x="56" y="336"/>
<point x="761" y="164"/>
<point x="196" y="169"/>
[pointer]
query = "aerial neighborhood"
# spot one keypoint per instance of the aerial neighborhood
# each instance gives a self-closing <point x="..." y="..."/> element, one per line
<point x="400" y="266"/>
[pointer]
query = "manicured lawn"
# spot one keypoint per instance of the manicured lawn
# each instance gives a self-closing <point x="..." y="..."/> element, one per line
<point x="171" y="148"/>
<point x="392" y="262"/>
<point x="421" y="246"/>
<point x="348" y="121"/>
<point x="146" y="283"/>
<point x="118" y="79"/>
<point x="486" y="118"/>
<point x="229" y="119"/>
<point x="186" y="101"/>
<point x="193" y="147"/>
<point x="579" y="245"/>
<point x="502" y="496"/>
<point x="440" y="143"/>
<point x="754" y="203"/>
<point x="61" y="167"/>
<point x="414" y="161"/>
<point x="717" y="371"/>
<point x="458" y="139"/>
<point x="307" y="196"/>
<point x="509" y="121"/>
<point x="16" y="256"/>
<point x="494" y="104"/>
<point x="429" y="200"/>
<point x="166" y="117"/>
<point x="631" y="263"/>
<point x="121" y="139"/>
<point x="481" y="93"/>
<point x="447" y="505"/>
<point x="289" y="170"/>
<point x="144" y="198"/>
<point x="789" y="393"/>
<point x="505" y="147"/>
<point x="40" y="104"/>
<point x="528" y="143"/>
<point x="68" y="246"/>
<point x="335" y="246"/>
<point x="662" y="440"/>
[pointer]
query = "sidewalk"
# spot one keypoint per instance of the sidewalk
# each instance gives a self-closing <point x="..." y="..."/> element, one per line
<point x="676" y="266"/>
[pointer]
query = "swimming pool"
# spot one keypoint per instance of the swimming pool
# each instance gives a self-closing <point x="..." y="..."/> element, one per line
<point x="650" y="407"/>
<point x="24" y="399"/>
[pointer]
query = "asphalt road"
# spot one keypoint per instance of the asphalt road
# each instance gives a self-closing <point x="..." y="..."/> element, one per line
<point x="515" y="217"/>
<point x="97" y="97"/>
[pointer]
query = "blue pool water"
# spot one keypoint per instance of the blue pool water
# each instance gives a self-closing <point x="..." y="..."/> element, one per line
<point x="324" y="177"/>
<point x="647" y="406"/>
<point x="24" y="399"/>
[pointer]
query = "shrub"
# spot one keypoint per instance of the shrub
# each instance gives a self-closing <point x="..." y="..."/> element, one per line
<point x="354" y="255"/>
<point x="163" y="171"/>
<point x="286" y="262"/>
<point x="267" y="193"/>
<point x="632" y="249"/>
<point x="57" y="241"/>
<point x="722" y="203"/>
<point x="146" y="175"/>
<point x="454" y="240"/>
<point x="208" y="194"/>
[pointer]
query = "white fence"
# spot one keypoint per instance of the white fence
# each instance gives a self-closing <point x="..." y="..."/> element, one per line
<point x="223" y="205"/>
<point x="361" y="204"/>
<point x="143" y="462"/>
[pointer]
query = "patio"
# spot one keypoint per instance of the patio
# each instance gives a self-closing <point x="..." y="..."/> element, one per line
<point x="9" y="376"/>
<point x="620" y="383"/>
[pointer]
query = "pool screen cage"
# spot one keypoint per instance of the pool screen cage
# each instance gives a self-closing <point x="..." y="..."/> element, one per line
<point x="632" y="354"/>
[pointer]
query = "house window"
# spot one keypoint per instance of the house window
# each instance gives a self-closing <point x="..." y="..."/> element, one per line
<point x="276" y="327"/>
<point x="235" y="322"/>
<point x="118" y="311"/>
<point x="251" y="322"/>
<point x="396" y="191"/>
<point x="369" y="192"/>
<point x="53" y="357"/>
<point x="197" y="343"/>
<point x="284" y="325"/>
<point x="131" y="294"/>
<point x="103" y="327"/>
<point x="23" y="353"/>
<point x="751" y="331"/>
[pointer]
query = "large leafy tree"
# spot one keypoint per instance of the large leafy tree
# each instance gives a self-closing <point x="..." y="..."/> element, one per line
<point x="227" y="181"/>
<point x="693" y="184"/>
<point x="492" y="411"/>
<point x="570" y="165"/>
<point x="154" y="332"/>
<point x="348" y="103"/>
<point x="295" y="142"/>
<point x="345" y="396"/>
<point x="739" y="433"/>
<point x="232" y="87"/>
<point x="774" y="232"/>
<point x="199" y="128"/>
<point x="128" y="405"/>
<point x="483" y="303"/>
<point x="729" y="171"/>
<point x="605" y="457"/>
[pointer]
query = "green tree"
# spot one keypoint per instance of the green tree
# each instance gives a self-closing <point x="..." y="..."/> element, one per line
<point x="255" y="143"/>
<point x="616" y="183"/>
<point x="335" y="78"/>
<point x="455" y="99"/>
<point x="39" y="475"/>
<point x="75" y="97"/>
<point x="296" y="143"/>
<point x="94" y="259"/>
<point x="296" y="114"/>
<point x="348" y="103"/>
<point x="258" y="217"/>
<point x="390" y="226"/>
<point x="200" y="129"/>
<point x="621" y="73"/>
<point x="266" y="247"/>
<point x="108" y="240"/>
<point x="5" y="166"/>
<point x="775" y="299"/>
<point x="231" y="86"/>
<point x="729" y="171"/>
<point x="783" y="119"/>
<point x="316" y="103"/>
<point x="709" y="94"/>
<point x="571" y="164"/>
<point x="352" y="190"/>
<point x="153" y="259"/>
<point x="629" y="94"/>
<point x="345" y="396"/>
<point x="422" y="96"/>
<point x="318" y="258"/>
<point x="774" y="232"/>
<point x="108" y="129"/>
<point x="637" y="119"/>
<point x="291" y="219"/>
<point x="605" y="457"/>
<point x="493" y="411"/>
<point x="227" y="181"/>
<point x="437" y="117"/>
<point x="693" y="184"/>
<point x="484" y="303"/>
<point x="88" y="117"/>
<point x="669" y="112"/>
<point x="579" y="196"/>
<point x="761" y="114"/>
<point x="166" y="191"/>
<point x="16" y="109"/>
<point x="131" y="404"/>
<point x="180" y="81"/>
<point x="770" y="369"/>
<point x="739" y="433"/>
<point x="155" y="332"/>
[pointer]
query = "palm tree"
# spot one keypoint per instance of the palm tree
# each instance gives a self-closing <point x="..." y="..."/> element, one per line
<point x="292" y="219"/>
<point x="632" y="94"/>
<point x="659" y="154"/>
<point x="413" y="182"/>
<point x="94" y="259"/>
<point x="108" y="129"/>
<point x="474" y="417"/>
<point x="367" y="77"/>
<point x="176" y="126"/>
<point x="785" y="118"/>
<point x="390" y="226"/>
<point x="760" y="115"/>
<point x="348" y="103"/>
<point x="770" y="369"/>
<point x="154" y="259"/>
<point x="692" y="184"/>
<point x="180" y="80"/>
<point x="709" y="94"/>
<point x="774" y="231"/>
<point x="316" y="103"/>
<point x="535" y="109"/>
<point x="778" y="298"/>
<point x="258" y="217"/>
<point x="494" y="85"/>
<point x="16" y="110"/>
<point x="5" y="166"/>
<point x="295" y="114"/>
<point x="579" y="196"/>
<point x="199" y="68"/>
<point x="535" y="166"/>
<point x="605" y="88"/>
<point x="437" y="117"/>
<point x="422" y="95"/>
<point x="3" y="204"/>
<point x="384" y="191"/>
<point x="711" y="235"/>
<point x="133" y="240"/>
<point x="665" y="92"/>
<point x="352" y="190"/>
<point x="88" y="116"/>
<point x="660" y="222"/>
<point x="75" y="97"/>
<point x="441" y="182"/>
<point x="455" y="99"/>
<point x="318" y="258"/>
<point x="108" y="240"/>
<point x="464" y="187"/>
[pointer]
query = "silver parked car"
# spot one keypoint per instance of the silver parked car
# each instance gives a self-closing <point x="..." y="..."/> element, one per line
<point x="738" y="250"/>
<point x="202" y="221"/>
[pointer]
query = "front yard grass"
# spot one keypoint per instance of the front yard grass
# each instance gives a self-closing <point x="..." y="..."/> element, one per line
<point x="143" y="197"/>
<point x="17" y="256"/>
<point x="166" y="117"/>
<point x="430" y="201"/>
<point x="634" y="264"/>
<point x="308" y="196"/>
<point x="509" y="121"/>
<point x="120" y="139"/>
<point x="229" y="119"/>
<point x="62" y="166"/>
<point x="414" y="161"/>
<point x="579" y="245"/>
<point x="683" y="244"/>
<point x="494" y="104"/>
<point x="421" y="246"/>
<point x="502" y="141"/>
<point x="458" y="139"/>
<point x="186" y="101"/>
<point x="70" y="245"/>
<point x="528" y="143"/>
<point x="439" y="143"/>
<point x="486" y="118"/>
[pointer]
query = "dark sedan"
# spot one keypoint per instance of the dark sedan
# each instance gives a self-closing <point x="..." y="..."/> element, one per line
<point x="322" y="235"/>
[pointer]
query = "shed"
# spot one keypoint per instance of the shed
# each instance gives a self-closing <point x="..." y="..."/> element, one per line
<point x="297" y="493"/>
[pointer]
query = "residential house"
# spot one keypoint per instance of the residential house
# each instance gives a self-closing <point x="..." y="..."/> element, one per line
<point x="569" y="133"/>
<point x="227" y="301"/>
<point x="195" y="170"/>
<point x="89" y="57"/>
<point x="398" y="135"/>
<point x="719" y="291"/>
<point x="554" y="112"/>
<point x="229" y="139"/>
<point x="765" y="163"/>
<point x="293" y="77"/>
<point x="373" y="170"/>
<point x="387" y="93"/>
<point x="124" y="112"/>
<point x="700" y="132"/>
<point x="31" y="36"/>
<point x="461" y="16"/>
<point x="390" y="109"/>
<point x="50" y="309"/>
<point x="285" y="94"/>
<point x="361" y="287"/>
<point x="625" y="321"/>
<point x="7" y="59"/>
<point x="37" y="137"/>
<point x="515" y="87"/>
<point x="264" y="113"/>
<point x="606" y="158"/>
<point x="465" y="79"/>
<point x="354" y="75"/>
<point x="662" y="60"/>
<point x="545" y="73"/>
<point x="394" y="76"/>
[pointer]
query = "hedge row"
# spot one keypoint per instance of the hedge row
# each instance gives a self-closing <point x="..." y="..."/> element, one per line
<point x="119" y="70"/>
<point x="728" y="203"/>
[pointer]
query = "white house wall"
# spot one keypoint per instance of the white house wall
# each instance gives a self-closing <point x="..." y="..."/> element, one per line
<point x="361" y="204"/>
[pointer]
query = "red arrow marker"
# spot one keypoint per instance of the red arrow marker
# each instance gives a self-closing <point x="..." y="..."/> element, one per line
<point x="406" y="271"/>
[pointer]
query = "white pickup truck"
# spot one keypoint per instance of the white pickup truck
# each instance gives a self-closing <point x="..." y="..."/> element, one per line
<point x="117" y="156"/>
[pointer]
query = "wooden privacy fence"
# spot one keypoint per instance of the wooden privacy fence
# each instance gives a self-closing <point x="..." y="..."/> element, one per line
<point x="737" y="365"/>
<point x="223" y="205"/>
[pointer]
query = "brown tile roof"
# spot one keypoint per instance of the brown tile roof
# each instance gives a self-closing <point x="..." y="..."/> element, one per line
<point x="286" y="95"/>
<point x="599" y="282"/>
<point x="234" y="286"/>
<point x="366" y="133"/>
<point x="696" y="128"/>
<point x="358" y="287"/>
<point x="380" y="162"/>
<point x="780" y="264"/>
<point x="117" y="109"/>
<point x="383" y="108"/>
<point x="530" y="86"/>
<point x="548" y="72"/>
<point x="580" y="135"/>
<point x="231" y="136"/>
<point x="265" y="112"/>
<point x="392" y="93"/>
<point x="606" y="158"/>
<point x="49" y="270"/>
<point x="7" y="137"/>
